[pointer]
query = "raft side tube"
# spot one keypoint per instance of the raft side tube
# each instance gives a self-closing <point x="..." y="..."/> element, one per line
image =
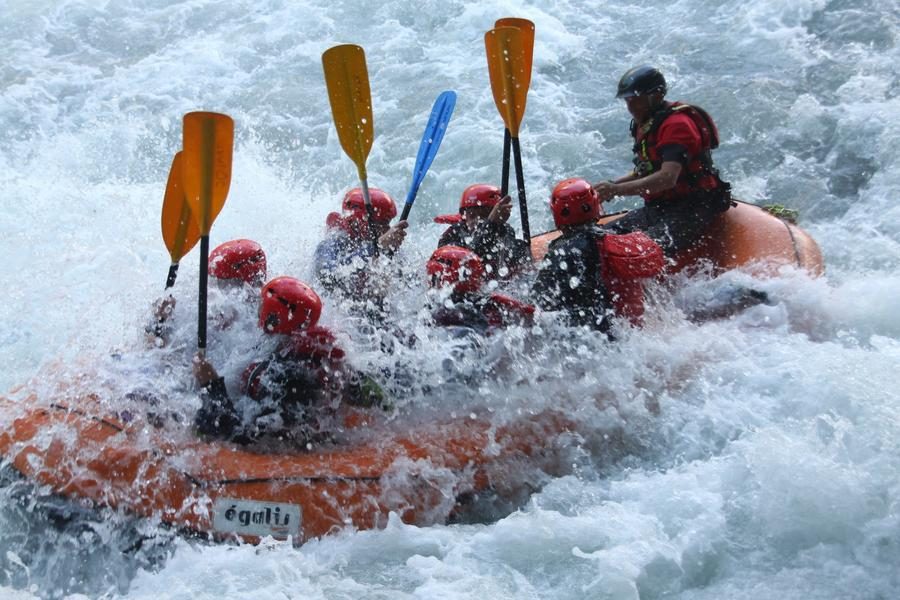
<point x="187" y="482"/>
<point x="743" y="237"/>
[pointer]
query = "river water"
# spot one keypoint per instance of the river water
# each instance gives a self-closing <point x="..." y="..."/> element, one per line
<point x="769" y="469"/>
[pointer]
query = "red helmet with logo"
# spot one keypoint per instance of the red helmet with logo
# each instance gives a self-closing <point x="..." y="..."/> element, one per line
<point x="238" y="259"/>
<point x="480" y="194"/>
<point x="383" y="207"/>
<point x="574" y="202"/>
<point x="456" y="266"/>
<point x="288" y="305"/>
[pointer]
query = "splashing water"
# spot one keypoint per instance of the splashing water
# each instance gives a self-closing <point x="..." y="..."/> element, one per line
<point x="748" y="457"/>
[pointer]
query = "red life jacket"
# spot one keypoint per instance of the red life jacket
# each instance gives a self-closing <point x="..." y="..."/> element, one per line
<point x="626" y="261"/>
<point x="316" y="344"/>
<point x="699" y="174"/>
<point x="348" y="225"/>
<point x="501" y="310"/>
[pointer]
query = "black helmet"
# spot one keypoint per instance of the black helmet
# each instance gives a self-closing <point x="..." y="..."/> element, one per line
<point x="641" y="81"/>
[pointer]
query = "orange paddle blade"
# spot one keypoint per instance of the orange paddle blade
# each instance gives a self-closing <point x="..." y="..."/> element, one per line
<point x="507" y="61"/>
<point x="179" y="227"/>
<point x="347" y="80"/>
<point x="206" y="164"/>
<point x="527" y="28"/>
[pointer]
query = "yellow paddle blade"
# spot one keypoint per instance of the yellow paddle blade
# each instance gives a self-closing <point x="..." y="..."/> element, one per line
<point x="507" y="60"/>
<point x="206" y="164"/>
<point x="527" y="28"/>
<point x="179" y="227"/>
<point x="347" y="80"/>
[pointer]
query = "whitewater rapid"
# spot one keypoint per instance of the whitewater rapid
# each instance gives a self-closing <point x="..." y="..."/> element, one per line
<point x="770" y="469"/>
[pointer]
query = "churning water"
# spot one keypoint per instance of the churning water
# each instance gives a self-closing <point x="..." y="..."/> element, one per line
<point x="771" y="468"/>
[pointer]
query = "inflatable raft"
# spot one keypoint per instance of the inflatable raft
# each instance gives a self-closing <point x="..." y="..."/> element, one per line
<point x="227" y="491"/>
<point x="72" y="445"/>
<point x="744" y="237"/>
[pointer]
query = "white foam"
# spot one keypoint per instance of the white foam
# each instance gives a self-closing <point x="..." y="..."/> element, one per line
<point x="750" y="457"/>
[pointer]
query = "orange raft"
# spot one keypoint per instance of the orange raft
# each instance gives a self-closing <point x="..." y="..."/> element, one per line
<point x="231" y="492"/>
<point x="744" y="237"/>
<point x="228" y="491"/>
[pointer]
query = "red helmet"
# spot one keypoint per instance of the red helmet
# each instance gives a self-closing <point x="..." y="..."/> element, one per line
<point x="238" y="259"/>
<point x="383" y="207"/>
<point x="480" y="194"/>
<point x="288" y="305"/>
<point x="574" y="202"/>
<point x="453" y="265"/>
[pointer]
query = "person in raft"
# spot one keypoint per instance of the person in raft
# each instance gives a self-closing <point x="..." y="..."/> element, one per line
<point x="588" y="273"/>
<point x="344" y="260"/>
<point x="674" y="171"/>
<point x="456" y="276"/>
<point x="234" y="264"/>
<point x="293" y="391"/>
<point x="481" y="226"/>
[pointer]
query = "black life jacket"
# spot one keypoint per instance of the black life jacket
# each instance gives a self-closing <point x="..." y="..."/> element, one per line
<point x="311" y="357"/>
<point x="699" y="175"/>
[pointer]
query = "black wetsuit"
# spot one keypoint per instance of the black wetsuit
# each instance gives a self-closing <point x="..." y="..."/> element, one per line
<point x="288" y="393"/>
<point x="495" y="243"/>
<point x="570" y="278"/>
<point x="674" y="225"/>
<point x="463" y="310"/>
<point x="482" y="312"/>
<point x="296" y="390"/>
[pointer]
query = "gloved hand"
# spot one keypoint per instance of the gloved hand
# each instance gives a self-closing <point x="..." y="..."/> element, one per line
<point x="367" y="393"/>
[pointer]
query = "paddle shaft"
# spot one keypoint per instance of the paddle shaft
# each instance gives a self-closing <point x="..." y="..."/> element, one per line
<point x="201" y="305"/>
<point x="520" y="180"/>
<point x="170" y="281"/>
<point x="408" y="206"/>
<point x="173" y="273"/>
<point x="504" y="176"/>
<point x="370" y="214"/>
<point x="207" y="161"/>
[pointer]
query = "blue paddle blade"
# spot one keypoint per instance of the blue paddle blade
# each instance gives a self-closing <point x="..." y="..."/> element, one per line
<point x="431" y="141"/>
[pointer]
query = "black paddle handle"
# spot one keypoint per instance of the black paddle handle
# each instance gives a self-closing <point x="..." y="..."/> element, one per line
<point x="373" y="234"/>
<point x="520" y="180"/>
<point x="406" y="208"/>
<point x="201" y="305"/>
<point x="173" y="273"/>
<point x="504" y="176"/>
